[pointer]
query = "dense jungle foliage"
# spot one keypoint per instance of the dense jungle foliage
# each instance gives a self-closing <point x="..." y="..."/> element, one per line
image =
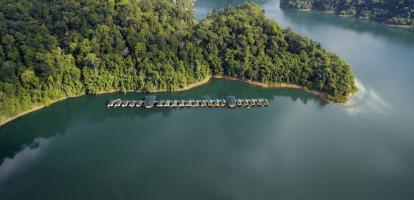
<point x="393" y="12"/>
<point x="54" y="49"/>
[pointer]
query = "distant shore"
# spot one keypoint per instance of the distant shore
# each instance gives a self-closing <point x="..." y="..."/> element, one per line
<point x="322" y="95"/>
<point x="358" y="17"/>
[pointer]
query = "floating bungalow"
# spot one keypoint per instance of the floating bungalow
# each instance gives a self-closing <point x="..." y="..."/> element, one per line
<point x="161" y="104"/>
<point x="112" y="103"/>
<point x="197" y="103"/>
<point x="139" y="103"/>
<point x="231" y="101"/>
<point x="210" y="103"/>
<point x="150" y="101"/>
<point x="203" y="103"/>
<point x="187" y="104"/>
<point x="118" y="103"/>
<point x="259" y="103"/>
<point x="254" y="102"/>
<point x="215" y="103"/>
<point x="238" y="103"/>
<point x="181" y="103"/>
<point x="266" y="102"/>
<point x="168" y="103"/>
<point x="132" y="104"/>
<point x="125" y="103"/>
<point x="248" y="102"/>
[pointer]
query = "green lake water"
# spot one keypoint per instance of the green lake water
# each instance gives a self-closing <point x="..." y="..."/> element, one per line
<point x="297" y="148"/>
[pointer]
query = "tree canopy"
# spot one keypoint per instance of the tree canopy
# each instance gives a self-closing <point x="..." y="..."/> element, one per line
<point x="54" y="49"/>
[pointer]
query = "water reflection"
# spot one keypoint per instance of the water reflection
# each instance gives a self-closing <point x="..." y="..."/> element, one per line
<point x="23" y="158"/>
<point x="58" y="118"/>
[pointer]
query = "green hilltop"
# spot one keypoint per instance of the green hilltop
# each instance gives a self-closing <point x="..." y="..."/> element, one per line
<point x="54" y="49"/>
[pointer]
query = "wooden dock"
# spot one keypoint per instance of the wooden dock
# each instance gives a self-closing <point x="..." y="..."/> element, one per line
<point x="151" y="102"/>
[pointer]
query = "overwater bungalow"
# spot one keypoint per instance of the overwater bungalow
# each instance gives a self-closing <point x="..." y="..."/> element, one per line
<point x="181" y="103"/>
<point x="125" y="103"/>
<point x="231" y="101"/>
<point x="118" y="103"/>
<point x="187" y="104"/>
<point x="259" y="102"/>
<point x="224" y="102"/>
<point x="239" y="103"/>
<point x="220" y="103"/>
<point x="161" y="103"/>
<point x="197" y="103"/>
<point x="254" y="102"/>
<point x="192" y="103"/>
<point x="203" y="103"/>
<point x="215" y="103"/>
<point x="243" y="102"/>
<point x="112" y="103"/>
<point x="132" y="104"/>
<point x="149" y="101"/>
<point x="210" y="103"/>
<point x="266" y="102"/>
<point x="168" y="103"/>
<point x="174" y="103"/>
<point x="138" y="103"/>
<point x="249" y="103"/>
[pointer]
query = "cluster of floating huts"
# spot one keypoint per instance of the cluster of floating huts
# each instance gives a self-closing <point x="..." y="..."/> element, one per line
<point x="151" y="101"/>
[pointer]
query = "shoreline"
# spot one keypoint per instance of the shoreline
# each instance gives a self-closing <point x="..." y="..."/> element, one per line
<point x="407" y="27"/>
<point x="38" y="107"/>
<point x="321" y="95"/>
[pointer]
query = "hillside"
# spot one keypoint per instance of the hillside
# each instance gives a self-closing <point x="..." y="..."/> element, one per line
<point x="54" y="50"/>
<point x="392" y="12"/>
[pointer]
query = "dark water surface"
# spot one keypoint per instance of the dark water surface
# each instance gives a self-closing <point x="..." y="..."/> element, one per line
<point x="298" y="148"/>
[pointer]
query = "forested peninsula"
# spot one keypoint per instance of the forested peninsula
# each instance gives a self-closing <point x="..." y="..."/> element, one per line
<point x="50" y="50"/>
<point x="391" y="12"/>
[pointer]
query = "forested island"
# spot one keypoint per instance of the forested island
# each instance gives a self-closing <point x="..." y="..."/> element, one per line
<point x="50" y="50"/>
<point x="392" y="12"/>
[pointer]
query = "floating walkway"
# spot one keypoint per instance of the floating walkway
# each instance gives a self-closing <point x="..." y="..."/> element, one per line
<point x="151" y="101"/>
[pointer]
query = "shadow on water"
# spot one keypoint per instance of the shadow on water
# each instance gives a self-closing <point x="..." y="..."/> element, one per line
<point x="315" y="19"/>
<point x="56" y="119"/>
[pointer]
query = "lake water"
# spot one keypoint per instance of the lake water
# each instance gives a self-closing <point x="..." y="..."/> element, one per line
<point x="297" y="148"/>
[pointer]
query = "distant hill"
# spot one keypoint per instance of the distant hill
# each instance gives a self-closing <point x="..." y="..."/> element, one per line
<point x="392" y="12"/>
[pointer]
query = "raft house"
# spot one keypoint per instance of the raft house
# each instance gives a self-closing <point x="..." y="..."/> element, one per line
<point x="151" y="101"/>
